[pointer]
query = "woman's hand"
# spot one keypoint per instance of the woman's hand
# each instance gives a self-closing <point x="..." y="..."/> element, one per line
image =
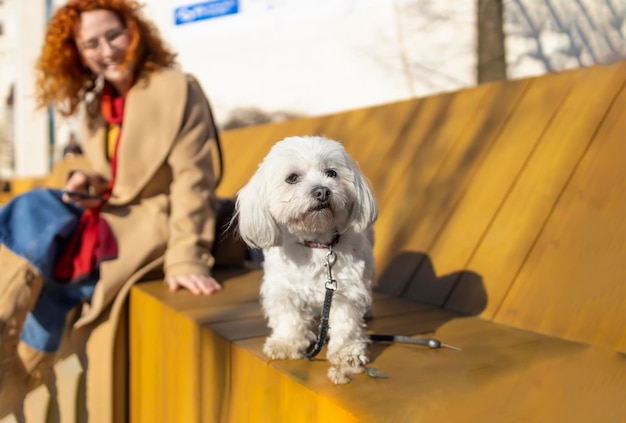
<point x="197" y="284"/>
<point x="80" y="189"/>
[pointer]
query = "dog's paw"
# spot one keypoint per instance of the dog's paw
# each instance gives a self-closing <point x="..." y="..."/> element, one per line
<point x="341" y="374"/>
<point x="346" y="363"/>
<point x="277" y="349"/>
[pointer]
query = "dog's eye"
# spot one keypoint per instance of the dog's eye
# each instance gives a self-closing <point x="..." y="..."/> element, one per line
<point x="331" y="173"/>
<point x="292" y="179"/>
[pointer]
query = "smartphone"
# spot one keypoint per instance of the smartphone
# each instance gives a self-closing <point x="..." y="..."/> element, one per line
<point x="84" y="196"/>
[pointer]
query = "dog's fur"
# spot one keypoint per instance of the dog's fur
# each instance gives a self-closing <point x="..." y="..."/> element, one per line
<point x="310" y="189"/>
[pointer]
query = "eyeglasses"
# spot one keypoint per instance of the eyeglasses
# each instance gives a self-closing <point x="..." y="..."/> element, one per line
<point x="114" y="38"/>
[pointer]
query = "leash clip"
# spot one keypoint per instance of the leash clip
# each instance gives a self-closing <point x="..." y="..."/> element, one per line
<point x="331" y="259"/>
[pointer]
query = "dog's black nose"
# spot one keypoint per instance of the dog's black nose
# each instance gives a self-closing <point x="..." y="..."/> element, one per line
<point x="321" y="193"/>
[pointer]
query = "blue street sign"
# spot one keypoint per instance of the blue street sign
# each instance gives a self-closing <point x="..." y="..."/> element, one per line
<point x="207" y="10"/>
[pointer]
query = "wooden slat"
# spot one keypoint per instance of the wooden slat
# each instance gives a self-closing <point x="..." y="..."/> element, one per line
<point x="572" y="283"/>
<point x="414" y="323"/>
<point x="264" y="394"/>
<point x="239" y="286"/>
<point x="364" y="132"/>
<point x="490" y="186"/>
<point x="165" y="362"/>
<point x="179" y="369"/>
<point x="243" y="150"/>
<point x="518" y="222"/>
<point x="427" y="141"/>
<point x="245" y="328"/>
<point x="371" y="141"/>
<point x="215" y="374"/>
<point x="453" y="178"/>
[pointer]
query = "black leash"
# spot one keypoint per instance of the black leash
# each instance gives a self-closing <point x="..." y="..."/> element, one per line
<point x="322" y="338"/>
<point x="331" y="287"/>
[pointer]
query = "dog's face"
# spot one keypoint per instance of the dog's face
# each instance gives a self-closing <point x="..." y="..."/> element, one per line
<point x="304" y="186"/>
<point x="310" y="186"/>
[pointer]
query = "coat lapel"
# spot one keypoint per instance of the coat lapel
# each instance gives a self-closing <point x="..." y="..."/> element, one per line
<point x="153" y="116"/>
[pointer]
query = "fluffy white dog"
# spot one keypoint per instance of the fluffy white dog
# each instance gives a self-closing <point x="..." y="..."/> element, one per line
<point x="307" y="197"/>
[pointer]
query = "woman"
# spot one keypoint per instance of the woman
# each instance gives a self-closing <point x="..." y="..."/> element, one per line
<point x="147" y="201"/>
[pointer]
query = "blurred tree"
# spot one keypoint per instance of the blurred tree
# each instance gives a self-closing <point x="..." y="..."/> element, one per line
<point x="491" y="64"/>
<point x="554" y="35"/>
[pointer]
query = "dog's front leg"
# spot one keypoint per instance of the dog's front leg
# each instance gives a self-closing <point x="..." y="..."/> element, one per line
<point x="290" y="322"/>
<point x="347" y="347"/>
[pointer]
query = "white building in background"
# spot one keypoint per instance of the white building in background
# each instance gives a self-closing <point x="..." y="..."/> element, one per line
<point x="28" y="131"/>
<point x="311" y="57"/>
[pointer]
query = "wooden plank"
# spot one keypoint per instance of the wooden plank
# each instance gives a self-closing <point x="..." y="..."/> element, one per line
<point x="425" y="145"/>
<point x="391" y="314"/>
<point x="243" y="150"/>
<point x="454" y="175"/>
<point x="397" y="274"/>
<point x="362" y="131"/>
<point x="372" y="141"/>
<point x="239" y="286"/>
<point x="274" y="396"/>
<point x="225" y="313"/>
<point x="518" y="222"/>
<point x="215" y="372"/>
<point x="164" y="363"/>
<point x="572" y="284"/>
<point x="179" y="370"/>
<point x="489" y="188"/>
<point x="387" y="305"/>
<point x="234" y="330"/>
<point x="374" y="138"/>
<point x="418" y="322"/>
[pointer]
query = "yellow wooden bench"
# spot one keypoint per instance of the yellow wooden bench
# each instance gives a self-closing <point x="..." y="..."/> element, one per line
<point x="501" y="231"/>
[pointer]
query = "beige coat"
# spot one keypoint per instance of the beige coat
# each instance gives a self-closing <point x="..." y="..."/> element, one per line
<point x="160" y="212"/>
<point x="161" y="205"/>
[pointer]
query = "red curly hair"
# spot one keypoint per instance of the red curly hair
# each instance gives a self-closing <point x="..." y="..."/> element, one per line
<point x="63" y="80"/>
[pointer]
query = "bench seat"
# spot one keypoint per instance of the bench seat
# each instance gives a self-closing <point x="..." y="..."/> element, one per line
<point x="215" y="344"/>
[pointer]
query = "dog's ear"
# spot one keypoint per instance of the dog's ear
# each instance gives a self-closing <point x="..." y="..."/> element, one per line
<point x="365" y="210"/>
<point x="255" y="224"/>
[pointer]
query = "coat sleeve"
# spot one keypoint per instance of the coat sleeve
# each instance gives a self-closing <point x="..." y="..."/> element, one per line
<point x="192" y="162"/>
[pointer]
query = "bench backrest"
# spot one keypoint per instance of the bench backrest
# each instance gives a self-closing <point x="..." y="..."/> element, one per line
<point x="504" y="200"/>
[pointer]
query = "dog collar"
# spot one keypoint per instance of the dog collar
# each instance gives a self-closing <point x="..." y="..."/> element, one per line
<point x="313" y="244"/>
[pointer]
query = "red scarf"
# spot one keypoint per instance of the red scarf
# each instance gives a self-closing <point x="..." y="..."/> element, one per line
<point x="93" y="241"/>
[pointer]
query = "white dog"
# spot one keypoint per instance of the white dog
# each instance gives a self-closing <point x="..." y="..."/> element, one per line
<point x="306" y="198"/>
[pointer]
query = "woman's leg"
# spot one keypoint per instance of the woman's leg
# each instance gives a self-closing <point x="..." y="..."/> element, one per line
<point x="35" y="224"/>
<point x="30" y="227"/>
<point x="33" y="358"/>
<point x="45" y="323"/>
<point x="19" y="288"/>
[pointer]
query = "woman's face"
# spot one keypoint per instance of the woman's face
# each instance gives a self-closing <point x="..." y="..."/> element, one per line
<point x="103" y="41"/>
